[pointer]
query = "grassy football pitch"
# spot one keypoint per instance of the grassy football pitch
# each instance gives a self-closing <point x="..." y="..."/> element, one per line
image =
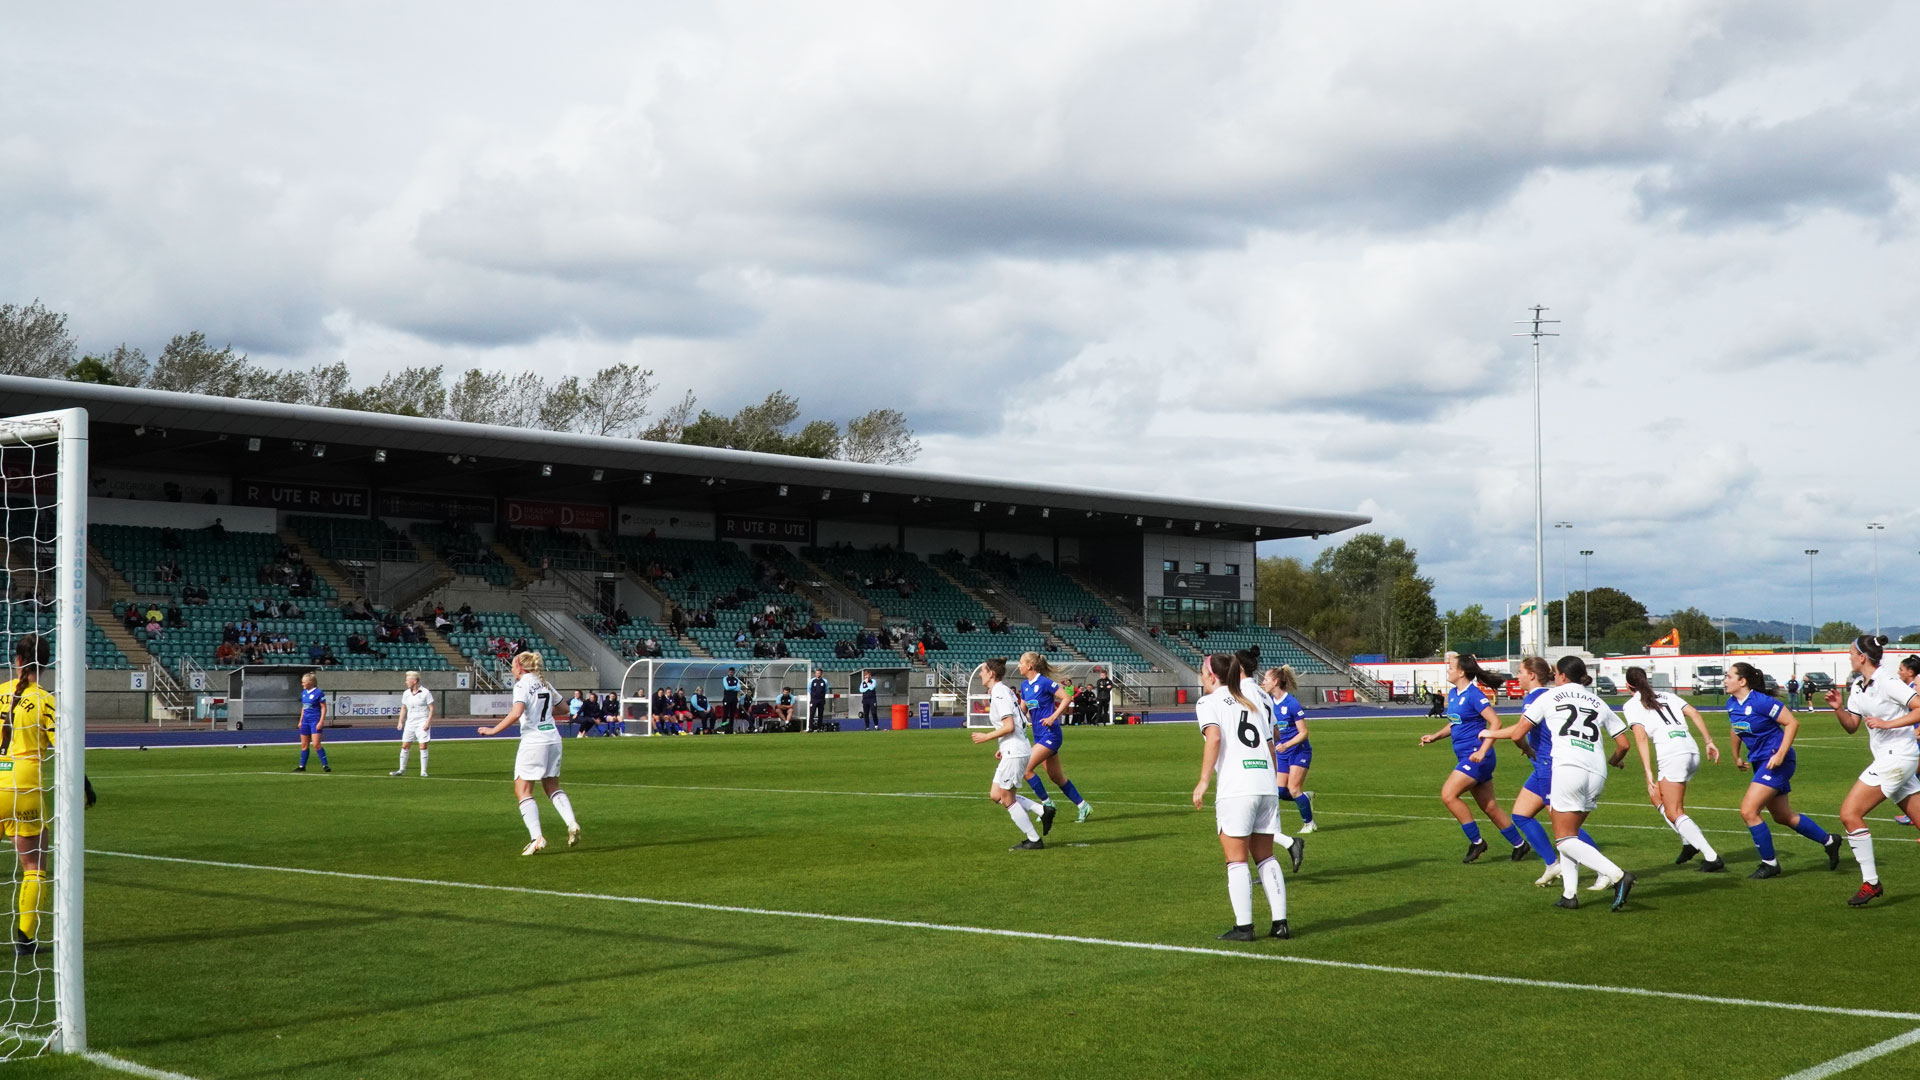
<point x="854" y="881"/>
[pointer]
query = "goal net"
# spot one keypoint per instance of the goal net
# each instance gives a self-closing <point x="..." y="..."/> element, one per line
<point x="761" y="684"/>
<point x="1076" y="676"/>
<point x="43" y="509"/>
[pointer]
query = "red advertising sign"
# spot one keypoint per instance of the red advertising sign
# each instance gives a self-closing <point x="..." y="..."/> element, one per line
<point x="527" y="514"/>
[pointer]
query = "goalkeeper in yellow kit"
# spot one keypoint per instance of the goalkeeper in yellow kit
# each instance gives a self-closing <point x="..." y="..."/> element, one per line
<point x="26" y="735"/>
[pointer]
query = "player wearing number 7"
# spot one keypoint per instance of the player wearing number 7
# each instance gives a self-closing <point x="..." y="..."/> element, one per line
<point x="1246" y="809"/>
<point x="539" y="756"/>
<point x="1661" y="718"/>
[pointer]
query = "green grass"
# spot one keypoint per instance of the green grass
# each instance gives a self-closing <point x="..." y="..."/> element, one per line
<point x="217" y="972"/>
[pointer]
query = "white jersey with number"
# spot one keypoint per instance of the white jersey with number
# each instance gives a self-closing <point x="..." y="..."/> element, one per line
<point x="536" y="721"/>
<point x="1885" y="697"/>
<point x="1665" y="724"/>
<point x="414" y="704"/>
<point x="1004" y="704"/>
<point x="1245" y="763"/>
<point x="1576" y="718"/>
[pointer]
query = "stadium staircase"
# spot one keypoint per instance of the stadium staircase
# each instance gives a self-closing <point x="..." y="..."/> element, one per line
<point x="322" y="565"/>
<point x="847" y="601"/>
<point x="118" y="590"/>
<point x="991" y="593"/>
<point x="122" y="638"/>
<point x="523" y="574"/>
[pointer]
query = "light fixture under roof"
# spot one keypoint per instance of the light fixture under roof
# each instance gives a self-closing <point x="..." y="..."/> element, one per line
<point x="380" y="457"/>
<point x="599" y="475"/>
<point x="646" y="478"/>
<point x="783" y="491"/>
<point x="866" y="496"/>
<point x="825" y="494"/>
<point x="546" y="470"/>
<point x="254" y="445"/>
<point x="319" y="449"/>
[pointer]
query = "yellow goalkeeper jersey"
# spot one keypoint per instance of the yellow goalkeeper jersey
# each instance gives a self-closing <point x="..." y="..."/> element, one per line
<point x="26" y="724"/>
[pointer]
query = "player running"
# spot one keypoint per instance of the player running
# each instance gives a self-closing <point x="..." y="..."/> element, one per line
<point x="1768" y="728"/>
<point x="416" y="722"/>
<point x="1535" y="677"/>
<point x="1292" y="753"/>
<point x="313" y="721"/>
<point x="26" y="734"/>
<point x="1882" y="702"/>
<point x="1045" y="701"/>
<point x="539" y="756"/>
<point x="1661" y="718"/>
<point x="1246" y="808"/>
<point x="1469" y="714"/>
<point x="1009" y="721"/>
<point x="1576" y="718"/>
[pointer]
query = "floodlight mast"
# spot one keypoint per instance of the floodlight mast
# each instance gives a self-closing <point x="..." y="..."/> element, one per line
<point x="1536" y="329"/>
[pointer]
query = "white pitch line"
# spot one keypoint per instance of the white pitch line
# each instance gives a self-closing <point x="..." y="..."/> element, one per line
<point x="1858" y="1057"/>
<point x="1028" y="935"/>
<point x="108" y="1061"/>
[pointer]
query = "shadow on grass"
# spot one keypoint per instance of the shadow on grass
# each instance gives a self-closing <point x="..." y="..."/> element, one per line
<point x="1370" y="823"/>
<point x="1360" y="871"/>
<point x="1408" y="910"/>
<point x="1104" y="840"/>
<point x="334" y="1061"/>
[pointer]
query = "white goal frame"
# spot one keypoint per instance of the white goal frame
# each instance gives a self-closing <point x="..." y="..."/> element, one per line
<point x="1078" y="672"/>
<point x="647" y="674"/>
<point x="65" y="432"/>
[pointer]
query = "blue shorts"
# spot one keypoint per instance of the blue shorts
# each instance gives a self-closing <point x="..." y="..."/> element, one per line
<point x="309" y="727"/>
<point x="1481" y="771"/>
<point x="1780" y="779"/>
<point x="1048" y="735"/>
<point x="1541" y="784"/>
<point x="1301" y="756"/>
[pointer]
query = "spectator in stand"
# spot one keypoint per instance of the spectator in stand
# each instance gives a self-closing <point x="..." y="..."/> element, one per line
<point x="227" y="654"/>
<point x="218" y="530"/>
<point x="130" y="617"/>
<point x="154" y="615"/>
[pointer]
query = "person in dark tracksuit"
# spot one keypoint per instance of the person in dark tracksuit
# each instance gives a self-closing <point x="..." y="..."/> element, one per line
<point x="730" y="699"/>
<point x="816" y="700"/>
<point x="869" y="701"/>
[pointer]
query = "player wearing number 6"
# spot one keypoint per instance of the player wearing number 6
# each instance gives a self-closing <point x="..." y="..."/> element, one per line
<point x="1246" y="807"/>
<point x="1578" y="718"/>
<point x="1661" y="718"/>
<point x="539" y="756"/>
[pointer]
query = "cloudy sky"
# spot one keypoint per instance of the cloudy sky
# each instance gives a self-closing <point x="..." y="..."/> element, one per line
<point x="1262" y="250"/>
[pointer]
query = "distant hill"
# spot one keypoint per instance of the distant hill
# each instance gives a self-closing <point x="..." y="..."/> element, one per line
<point x="1769" y="630"/>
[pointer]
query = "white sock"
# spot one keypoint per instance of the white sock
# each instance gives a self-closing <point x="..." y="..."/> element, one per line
<point x="1020" y="818"/>
<point x="1569" y="877"/>
<point x="1276" y="885"/>
<point x="1031" y="806"/>
<point x="423" y="760"/>
<point x="565" y="806"/>
<point x="1862" y="843"/>
<point x="1692" y="835"/>
<point x="403" y="758"/>
<point x="1240" y="893"/>
<point x="1283" y="841"/>
<point x="1579" y="851"/>
<point x="530" y="813"/>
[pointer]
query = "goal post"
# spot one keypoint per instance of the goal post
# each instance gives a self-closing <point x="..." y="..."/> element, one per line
<point x="43" y="496"/>
<point x="1080" y="674"/>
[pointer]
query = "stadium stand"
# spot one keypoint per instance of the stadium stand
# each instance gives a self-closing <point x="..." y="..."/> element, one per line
<point x="1045" y="587"/>
<point x="489" y="644"/>
<point x="465" y="552"/>
<point x="102" y="653"/>
<point x="354" y="538"/>
<point x="626" y="640"/>
<point x="561" y="549"/>
<point x="900" y="585"/>
<point x="1101" y="647"/>
<point x="1275" y="648"/>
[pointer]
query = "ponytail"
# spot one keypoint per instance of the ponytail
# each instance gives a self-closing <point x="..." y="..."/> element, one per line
<point x="1575" y="669"/>
<point x="1637" y="679"/>
<point x="1873" y="646"/>
<point x="1541" y="671"/>
<point x="1226" y="670"/>
<point x="1756" y="682"/>
<point x="1470" y="667"/>
<point x="1284" y="678"/>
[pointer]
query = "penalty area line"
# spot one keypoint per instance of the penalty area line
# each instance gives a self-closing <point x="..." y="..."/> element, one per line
<point x="133" y="1068"/>
<point x="1029" y="935"/>
<point x="1857" y="1057"/>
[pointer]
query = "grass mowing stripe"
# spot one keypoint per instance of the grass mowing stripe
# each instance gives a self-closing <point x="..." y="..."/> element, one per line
<point x="1857" y="1057"/>
<point x="1148" y="946"/>
<point x="108" y="1061"/>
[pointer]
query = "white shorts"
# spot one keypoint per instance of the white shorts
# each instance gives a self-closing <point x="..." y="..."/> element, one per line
<point x="1007" y="775"/>
<point x="1894" y="777"/>
<point x="1575" y="790"/>
<point x="417" y="731"/>
<point x="1678" y="768"/>
<point x="537" y="761"/>
<point x="1245" y="815"/>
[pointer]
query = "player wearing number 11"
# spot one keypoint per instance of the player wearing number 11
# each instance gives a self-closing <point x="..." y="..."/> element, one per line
<point x="1246" y="808"/>
<point x="1661" y="718"/>
<point x="539" y="756"/>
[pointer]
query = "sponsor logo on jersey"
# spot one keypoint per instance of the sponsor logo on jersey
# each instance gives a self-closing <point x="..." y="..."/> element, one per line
<point x="1253" y="763"/>
<point x="1582" y="744"/>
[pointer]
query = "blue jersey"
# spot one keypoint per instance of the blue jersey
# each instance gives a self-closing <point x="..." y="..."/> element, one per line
<point x="1463" y="712"/>
<point x="868" y="688"/>
<point x="310" y="702"/>
<point x="1539" y="740"/>
<point x="1287" y="714"/>
<point x="1037" y="695"/>
<point x="1756" y="720"/>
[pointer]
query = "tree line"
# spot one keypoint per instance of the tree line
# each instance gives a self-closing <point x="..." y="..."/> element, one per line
<point x="616" y="401"/>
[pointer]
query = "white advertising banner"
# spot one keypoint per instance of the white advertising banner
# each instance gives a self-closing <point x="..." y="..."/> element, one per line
<point x="344" y="705"/>
<point x="490" y="704"/>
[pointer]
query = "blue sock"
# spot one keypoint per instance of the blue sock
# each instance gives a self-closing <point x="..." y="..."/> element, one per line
<point x="1763" y="840"/>
<point x="1536" y="835"/>
<point x="1585" y="839"/>
<point x="1071" y="792"/>
<point x="1039" y="789"/>
<point x="1306" y="808"/>
<point x="1472" y="829"/>
<point x="303" y="757"/>
<point x="1807" y="828"/>
<point x="1512" y="836"/>
<point x="323" y="757"/>
<point x="1285" y="794"/>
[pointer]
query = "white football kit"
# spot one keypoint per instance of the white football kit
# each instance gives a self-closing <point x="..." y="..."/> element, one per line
<point x="1676" y="756"/>
<point x="1002" y="703"/>
<point x="414" y="706"/>
<point x="1896" y="756"/>
<point x="1576" y="719"/>
<point x="539" y="755"/>
<point x="1246" y="799"/>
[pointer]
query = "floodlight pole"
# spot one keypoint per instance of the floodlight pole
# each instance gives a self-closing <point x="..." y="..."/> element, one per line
<point x="1586" y="599"/>
<point x="1537" y="330"/>
<point x="1874" y="529"/>
<point x="1810" y="553"/>
<point x="1564" y="597"/>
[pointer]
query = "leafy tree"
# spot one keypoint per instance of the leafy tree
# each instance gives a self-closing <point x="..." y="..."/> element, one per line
<point x="190" y="365"/>
<point x="763" y="428"/>
<point x="1625" y="637"/>
<point x="1414" y="629"/>
<point x="1697" y="628"/>
<point x="1471" y="623"/>
<point x="880" y="437"/>
<point x="92" y="369"/>
<point x="123" y="366"/>
<point x="1910" y="639"/>
<point x="34" y="341"/>
<point x="614" y="401"/>
<point x="673" y="421"/>
<point x="1838" y="630"/>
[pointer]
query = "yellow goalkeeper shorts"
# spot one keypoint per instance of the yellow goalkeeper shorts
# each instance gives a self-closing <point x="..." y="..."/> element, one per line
<point x="20" y="798"/>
